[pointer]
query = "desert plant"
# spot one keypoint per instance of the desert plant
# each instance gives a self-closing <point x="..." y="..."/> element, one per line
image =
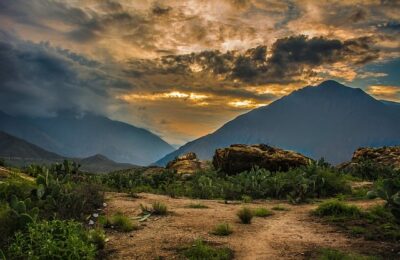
<point x="200" y="250"/>
<point x="337" y="209"/>
<point x="197" y="206"/>
<point x="52" y="240"/>
<point x="262" y="212"/>
<point x="159" y="208"/>
<point x="122" y="223"/>
<point x="279" y="208"/>
<point x="247" y="199"/>
<point x="245" y="215"/>
<point x="222" y="229"/>
<point x="389" y="190"/>
<point x="97" y="237"/>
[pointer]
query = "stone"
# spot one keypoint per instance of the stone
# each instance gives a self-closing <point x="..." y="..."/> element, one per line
<point x="187" y="164"/>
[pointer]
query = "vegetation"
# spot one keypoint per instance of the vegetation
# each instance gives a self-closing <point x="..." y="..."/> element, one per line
<point x="120" y="222"/>
<point x="333" y="254"/>
<point x="52" y="240"/>
<point x="200" y="250"/>
<point x="262" y="212"/>
<point x="245" y="215"/>
<point x="159" y="208"/>
<point x="222" y="229"/>
<point x="197" y="206"/>
<point x="298" y="185"/>
<point x="376" y="223"/>
<point x="279" y="208"/>
<point x="368" y="170"/>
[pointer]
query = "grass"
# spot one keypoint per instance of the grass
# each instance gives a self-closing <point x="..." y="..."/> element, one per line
<point x="279" y="208"/>
<point x="337" y="210"/>
<point x="196" y="206"/>
<point x="247" y="199"/>
<point x="262" y="212"/>
<point x="222" y="229"/>
<point x="333" y="254"/>
<point x="245" y="215"/>
<point x="200" y="250"/>
<point x="159" y="208"/>
<point x="122" y="223"/>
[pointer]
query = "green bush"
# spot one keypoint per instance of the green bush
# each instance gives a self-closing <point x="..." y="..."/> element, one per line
<point x="279" y="208"/>
<point x="200" y="251"/>
<point x="337" y="209"/>
<point x="52" y="240"/>
<point x="262" y="212"/>
<point x="368" y="170"/>
<point x="245" y="215"/>
<point x="159" y="208"/>
<point x="222" y="229"/>
<point x="389" y="190"/>
<point x="247" y="199"/>
<point x="122" y="223"/>
<point x="97" y="237"/>
<point x="197" y="206"/>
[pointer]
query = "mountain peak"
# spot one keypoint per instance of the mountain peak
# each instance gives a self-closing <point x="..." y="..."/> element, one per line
<point x="330" y="84"/>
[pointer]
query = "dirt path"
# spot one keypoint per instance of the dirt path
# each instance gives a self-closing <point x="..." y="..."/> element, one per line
<point x="285" y="235"/>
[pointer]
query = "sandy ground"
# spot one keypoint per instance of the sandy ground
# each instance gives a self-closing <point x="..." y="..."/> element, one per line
<point x="288" y="234"/>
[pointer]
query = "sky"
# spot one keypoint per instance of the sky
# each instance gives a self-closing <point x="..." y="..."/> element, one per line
<point x="183" y="68"/>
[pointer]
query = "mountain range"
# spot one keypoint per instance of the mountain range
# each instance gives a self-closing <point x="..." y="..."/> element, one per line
<point x="329" y="120"/>
<point x="70" y="135"/>
<point x="18" y="152"/>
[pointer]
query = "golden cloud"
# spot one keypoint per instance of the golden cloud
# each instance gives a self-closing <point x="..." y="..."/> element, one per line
<point x="391" y="93"/>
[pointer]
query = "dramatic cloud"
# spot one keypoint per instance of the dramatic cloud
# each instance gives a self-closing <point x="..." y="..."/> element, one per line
<point x="183" y="68"/>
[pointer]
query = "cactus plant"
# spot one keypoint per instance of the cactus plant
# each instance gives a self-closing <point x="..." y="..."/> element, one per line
<point x="23" y="214"/>
<point x="389" y="190"/>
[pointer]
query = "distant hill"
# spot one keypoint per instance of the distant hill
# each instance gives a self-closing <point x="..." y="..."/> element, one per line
<point x="100" y="164"/>
<point x="329" y="120"/>
<point x="82" y="136"/>
<point x="19" y="152"/>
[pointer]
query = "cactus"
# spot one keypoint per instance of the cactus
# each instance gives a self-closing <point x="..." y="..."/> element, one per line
<point x="22" y="211"/>
<point x="389" y="190"/>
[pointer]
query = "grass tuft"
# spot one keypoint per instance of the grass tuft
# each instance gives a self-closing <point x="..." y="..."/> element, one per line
<point x="262" y="212"/>
<point x="279" y="208"/>
<point x="222" y="229"/>
<point x="245" y="215"/>
<point x="122" y="223"/>
<point x="200" y="250"/>
<point x="337" y="210"/>
<point x="159" y="208"/>
<point x="196" y="206"/>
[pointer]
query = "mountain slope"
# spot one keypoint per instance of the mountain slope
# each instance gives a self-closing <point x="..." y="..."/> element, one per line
<point x="13" y="147"/>
<point x="100" y="164"/>
<point x="72" y="136"/>
<point x="329" y="120"/>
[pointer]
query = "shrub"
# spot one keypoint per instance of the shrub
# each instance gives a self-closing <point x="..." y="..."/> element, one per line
<point x="222" y="229"/>
<point x="52" y="240"/>
<point x="159" y="208"/>
<point x="262" y="212"/>
<point x="197" y="206"/>
<point x="389" y="190"/>
<point x="245" y="215"/>
<point x="122" y="223"/>
<point x="368" y="170"/>
<point x="97" y="237"/>
<point x="279" y="208"/>
<point x="247" y="199"/>
<point x="337" y="209"/>
<point x="200" y="250"/>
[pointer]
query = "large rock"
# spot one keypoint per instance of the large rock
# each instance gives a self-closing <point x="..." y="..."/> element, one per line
<point x="238" y="158"/>
<point x="385" y="156"/>
<point x="187" y="163"/>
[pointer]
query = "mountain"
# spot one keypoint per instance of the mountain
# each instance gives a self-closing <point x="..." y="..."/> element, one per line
<point x="16" y="148"/>
<point x="81" y="136"/>
<point x="100" y="164"/>
<point x="329" y="120"/>
<point x="19" y="152"/>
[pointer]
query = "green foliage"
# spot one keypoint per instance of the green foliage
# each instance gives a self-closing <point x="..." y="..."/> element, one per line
<point x="97" y="237"/>
<point x="159" y="208"/>
<point x="2" y="162"/>
<point x="247" y="199"/>
<point x="337" y="210"/>
<point x="245" y="215"/>
<point x="368" y="170"/>
<point x="200" y="251"/>
<point x="121" y="223"/>
<point x="389" y="190"/>
<point x="333" y="254"/>
<point x="279" y="208"/>
<point x="197" y="206"/>
<point x="314" y="181"/>
<point x="222" y="229"/>
<point x="52" y="240"/>
<point x="262" y="212"/>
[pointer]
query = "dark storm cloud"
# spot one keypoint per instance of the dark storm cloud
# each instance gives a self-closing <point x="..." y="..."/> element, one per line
<point x="289" y="58"/>
<point x="38" y="79"/>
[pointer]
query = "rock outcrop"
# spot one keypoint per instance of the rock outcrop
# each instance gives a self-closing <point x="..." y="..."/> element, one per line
<point x="385" y="156"/>
<point x="187" y="164"/>
<point x="238" y="158"/>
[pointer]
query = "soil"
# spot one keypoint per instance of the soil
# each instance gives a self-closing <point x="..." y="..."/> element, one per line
<point x="291" y="234"/>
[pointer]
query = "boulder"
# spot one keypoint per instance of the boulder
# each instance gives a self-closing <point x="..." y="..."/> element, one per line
<point x="238" y="158"/>
<point x="187" y="164"/>
<point x="385" y="156"/>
